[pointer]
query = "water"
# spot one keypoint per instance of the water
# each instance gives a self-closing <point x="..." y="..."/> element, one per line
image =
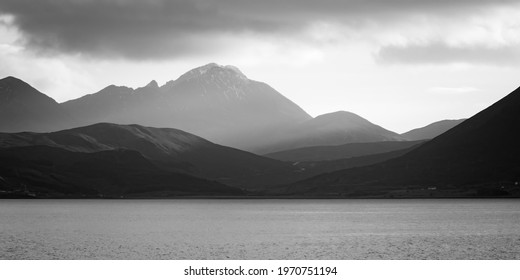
<point x="260" y="229"/>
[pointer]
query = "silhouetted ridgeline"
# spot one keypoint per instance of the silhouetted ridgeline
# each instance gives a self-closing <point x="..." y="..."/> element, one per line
<point x="334" y="155"/>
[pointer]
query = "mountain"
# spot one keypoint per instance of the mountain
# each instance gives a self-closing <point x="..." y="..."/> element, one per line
<point x="125" y="154"/>
<point x="479" y="157"/>
<point x="322" y="153"/>
<point x="221" y="104"/>
<point x="23" y="108"/>
<point x="329" y="129"/>
<point x="216" y="102"/>
<point x="49" y="172"/>
<point x="171" y="149"/>
<point x="432" y="130"/>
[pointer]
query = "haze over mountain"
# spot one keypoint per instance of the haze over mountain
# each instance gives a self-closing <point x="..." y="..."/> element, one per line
<point x="23" y="108"/>
<point x="215" y="102"/>
<point x="479" y="157"/>
<point x="432" y="130"/>
<point x="329" y="129"/>
<point x="172" y="149"/>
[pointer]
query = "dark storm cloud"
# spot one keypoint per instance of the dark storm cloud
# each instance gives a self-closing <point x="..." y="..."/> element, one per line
<point x="153" y="29"/>
<point x="441" y="53"/>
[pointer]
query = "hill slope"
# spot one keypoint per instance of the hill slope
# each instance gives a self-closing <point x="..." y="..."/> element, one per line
<point x="432" y="130"/>
<point x="171" y="148"/>
<point x="320" y="153"/>
<point x="44" y="171"/>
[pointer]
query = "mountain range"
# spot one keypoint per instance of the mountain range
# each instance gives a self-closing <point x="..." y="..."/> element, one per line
<point x="194" y="136"/>
<point x="123" y="160"/>
<point x="171" y="149"/>
<point x="479" y="157"/>
<point x="218" y="103"/>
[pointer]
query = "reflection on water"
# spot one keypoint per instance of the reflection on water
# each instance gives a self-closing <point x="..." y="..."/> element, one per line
<point x="260" y="229"/>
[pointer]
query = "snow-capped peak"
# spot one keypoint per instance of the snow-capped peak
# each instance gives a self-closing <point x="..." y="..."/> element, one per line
<point x="212" y="69"/>
<point x="203" y="69"/>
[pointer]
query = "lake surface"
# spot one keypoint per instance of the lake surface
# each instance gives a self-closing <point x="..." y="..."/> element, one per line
<point x="260" y="229"/>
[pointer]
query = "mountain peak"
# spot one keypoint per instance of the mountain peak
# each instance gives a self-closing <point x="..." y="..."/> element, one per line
<point x="340" y="116"/>
<point x="10" y="80"/>
<point x="12" y="86"/>
<point x="24" y="108"/>
<point x="152" y="84"/>
<point x="213" y="70"/>
<point x="111" y="89"/>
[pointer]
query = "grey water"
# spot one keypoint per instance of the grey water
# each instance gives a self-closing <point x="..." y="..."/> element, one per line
<point x="260" y="229"/>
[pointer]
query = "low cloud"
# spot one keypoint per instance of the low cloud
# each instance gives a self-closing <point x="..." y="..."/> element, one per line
<point x="158" y="29"/>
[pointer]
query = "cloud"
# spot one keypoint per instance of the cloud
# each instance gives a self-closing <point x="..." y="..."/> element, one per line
<point x="159" y="29"/>
<point x="441" y="53"/>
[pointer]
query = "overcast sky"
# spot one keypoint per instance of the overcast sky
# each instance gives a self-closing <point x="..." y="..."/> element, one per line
<point x="399" y="63"/>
